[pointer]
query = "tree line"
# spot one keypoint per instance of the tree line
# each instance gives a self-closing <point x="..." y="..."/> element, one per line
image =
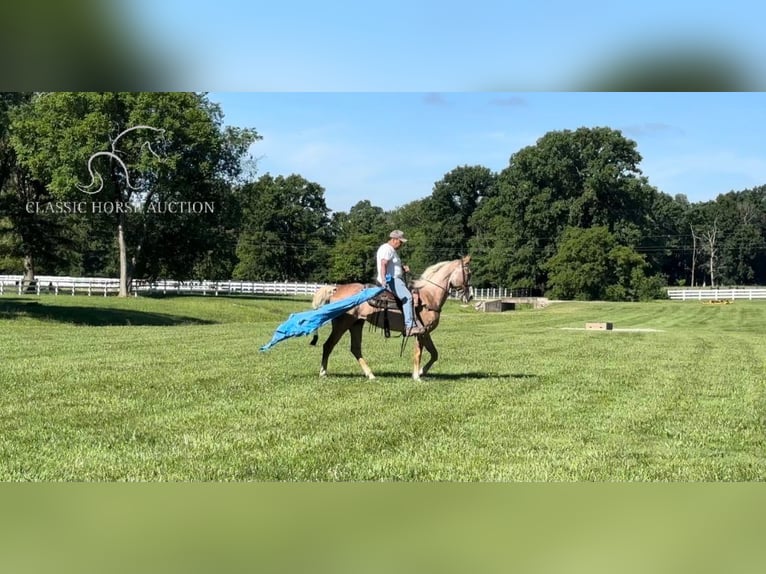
<point x="88" y="180"/>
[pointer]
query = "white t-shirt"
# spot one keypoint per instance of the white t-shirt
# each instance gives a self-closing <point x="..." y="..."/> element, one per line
<point x="394" y="267"/>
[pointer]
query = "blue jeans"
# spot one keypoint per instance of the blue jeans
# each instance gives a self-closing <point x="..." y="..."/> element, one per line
<point x="397" y="285"/>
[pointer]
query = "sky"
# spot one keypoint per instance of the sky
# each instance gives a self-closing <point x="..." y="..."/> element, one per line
<point x="390" y="148"/>
<point x="441" y="45"/>
<point x="379" y="101"/>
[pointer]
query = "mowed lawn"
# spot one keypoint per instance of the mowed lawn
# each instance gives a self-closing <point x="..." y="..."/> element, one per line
<point x="175" y="389"/>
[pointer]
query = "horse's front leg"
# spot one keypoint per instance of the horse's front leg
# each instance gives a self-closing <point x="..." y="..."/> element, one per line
<point x="417" y="356"/>
<point x="426" y="341"/>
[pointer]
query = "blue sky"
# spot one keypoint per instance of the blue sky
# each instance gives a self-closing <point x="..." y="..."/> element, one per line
<point x="391" y="148"/>
<point x="435" y="45"/>
<point x="379" y="101"/>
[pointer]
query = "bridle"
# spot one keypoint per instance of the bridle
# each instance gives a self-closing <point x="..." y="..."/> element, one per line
<point x="464" y="288"/>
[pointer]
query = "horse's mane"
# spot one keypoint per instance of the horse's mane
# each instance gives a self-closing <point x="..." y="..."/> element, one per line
<point x="431" y="271"/>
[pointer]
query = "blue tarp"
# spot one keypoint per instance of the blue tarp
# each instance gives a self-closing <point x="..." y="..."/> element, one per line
<point x="306" y="322"/>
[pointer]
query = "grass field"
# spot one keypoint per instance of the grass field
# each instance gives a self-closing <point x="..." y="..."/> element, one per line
<point x="175" y="389"/>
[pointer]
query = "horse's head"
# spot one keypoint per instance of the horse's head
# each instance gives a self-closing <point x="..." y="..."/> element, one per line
<point x="460" y="279"/>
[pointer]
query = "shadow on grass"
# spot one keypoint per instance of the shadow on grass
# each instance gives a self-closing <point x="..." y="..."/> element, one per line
<point x="433" y="376"/>
<point x="91" y="316"/>
<point x="232" y="296"/>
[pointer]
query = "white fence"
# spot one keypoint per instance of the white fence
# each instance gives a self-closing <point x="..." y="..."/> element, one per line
<point x="59" y="285"/>
<point x="227" y="288"/>
<point x="104" y="286"/>
<point x="494" y="293"/>
<point x="717" y="294"/>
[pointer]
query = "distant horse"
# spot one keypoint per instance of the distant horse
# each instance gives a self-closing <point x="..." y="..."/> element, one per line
<point x="433" y="288"/>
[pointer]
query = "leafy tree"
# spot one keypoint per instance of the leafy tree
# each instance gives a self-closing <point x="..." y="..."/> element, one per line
<point x="358" y="235"/>
<point x="741" y="221"/>
<point x="139" y="150"/>
<point x="285" y="232"/>
<point x="450" y="208"/>
<point x="581" y="268"/>
<point x="414" y="220"/>
<point x="583" y="178"/>
<point x="664" y="237"/>
<point x="30" y="241"/>
<point x="590" y="264"/>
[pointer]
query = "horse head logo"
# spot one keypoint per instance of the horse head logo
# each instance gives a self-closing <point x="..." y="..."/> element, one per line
<point x="96" y="180"/>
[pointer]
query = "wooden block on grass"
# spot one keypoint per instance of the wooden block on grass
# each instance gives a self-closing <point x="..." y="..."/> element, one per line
<point x="598" y="326"/>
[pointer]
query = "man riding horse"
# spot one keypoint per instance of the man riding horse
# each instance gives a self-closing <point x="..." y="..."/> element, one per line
<point x="434" y="287"/>
<point x="391" y="274"/>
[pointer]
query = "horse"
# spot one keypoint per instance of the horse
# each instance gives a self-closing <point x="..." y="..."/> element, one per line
<point x="433" y="288"/>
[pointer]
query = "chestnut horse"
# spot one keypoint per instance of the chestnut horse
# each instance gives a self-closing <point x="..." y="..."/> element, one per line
<point x="433" y="286"/>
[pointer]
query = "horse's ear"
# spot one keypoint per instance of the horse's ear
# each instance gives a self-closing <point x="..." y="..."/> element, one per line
<point x="466" y="260"/>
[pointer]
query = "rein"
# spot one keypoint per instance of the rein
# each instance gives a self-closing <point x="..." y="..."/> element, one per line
<point x="446" y="289"/>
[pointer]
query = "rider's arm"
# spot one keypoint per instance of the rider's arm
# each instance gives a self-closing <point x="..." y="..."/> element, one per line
<point x="382" y="270"/>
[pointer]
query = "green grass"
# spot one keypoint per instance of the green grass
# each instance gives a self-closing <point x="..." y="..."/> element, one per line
<point x="175" y="389"/>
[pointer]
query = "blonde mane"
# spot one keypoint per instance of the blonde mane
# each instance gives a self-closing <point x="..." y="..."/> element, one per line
<point x="431" y="271"/>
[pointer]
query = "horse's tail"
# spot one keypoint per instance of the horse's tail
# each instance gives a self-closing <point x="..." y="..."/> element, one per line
<point x="322" y="296"/>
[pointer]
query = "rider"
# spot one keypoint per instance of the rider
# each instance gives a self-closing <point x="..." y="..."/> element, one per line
<point x="390" y="274"/>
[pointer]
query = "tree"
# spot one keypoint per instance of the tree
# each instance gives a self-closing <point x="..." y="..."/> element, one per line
<point x="695" y="239"/>
<point x="740" y="219"/>
<point x="30" y="240"/>
<point x="581" y="268"/>
<point x="590" y="264"/>
<point x="664" y="236"/>
<point x="450" y="208"/>
<point x="358" y="235"/>
<point x="709" y="237"/>
<point x="414" y="220"/>
<point x="285" y="232"/>
<point x="583" y="178"/>
<point x="706" y="234"/>
<point x="137" y="151"/>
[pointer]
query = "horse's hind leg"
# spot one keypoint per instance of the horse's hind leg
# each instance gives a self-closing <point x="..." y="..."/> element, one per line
<point x="339" y="326"/>
<point x="356" y="347"/>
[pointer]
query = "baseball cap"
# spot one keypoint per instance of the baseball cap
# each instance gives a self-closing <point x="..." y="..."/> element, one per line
<point x="397" y="234"/>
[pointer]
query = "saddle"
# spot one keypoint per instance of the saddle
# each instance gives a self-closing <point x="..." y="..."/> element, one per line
<point x="385" y="300"/>
<point x="388" y="300"/>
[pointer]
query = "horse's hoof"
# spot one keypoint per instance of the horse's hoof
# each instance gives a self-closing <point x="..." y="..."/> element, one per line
<point x="322" y="373"/>
<point x="371" y="377"/>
